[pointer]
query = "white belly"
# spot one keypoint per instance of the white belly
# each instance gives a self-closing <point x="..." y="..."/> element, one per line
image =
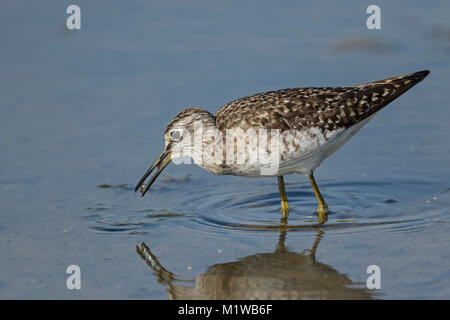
<point x="316" y="150"/>
<point x="299" y="152"/>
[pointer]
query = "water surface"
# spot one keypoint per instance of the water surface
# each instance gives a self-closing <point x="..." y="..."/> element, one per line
<point x="82" y="117"/>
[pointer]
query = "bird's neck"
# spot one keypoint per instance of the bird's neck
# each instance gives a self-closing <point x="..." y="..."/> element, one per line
<point x="207" y="141"/>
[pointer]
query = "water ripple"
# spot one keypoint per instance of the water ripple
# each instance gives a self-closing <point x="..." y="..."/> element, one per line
<point x="249" y="204"/>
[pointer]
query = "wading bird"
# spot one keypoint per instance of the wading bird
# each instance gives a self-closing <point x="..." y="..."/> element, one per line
<point x="309" y="125"/>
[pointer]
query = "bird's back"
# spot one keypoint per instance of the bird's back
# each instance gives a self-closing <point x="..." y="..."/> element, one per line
<point x="327" y="108"/>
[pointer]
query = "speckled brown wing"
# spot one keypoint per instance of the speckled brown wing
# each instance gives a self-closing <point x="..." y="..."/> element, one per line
<point x="327" y="108"/>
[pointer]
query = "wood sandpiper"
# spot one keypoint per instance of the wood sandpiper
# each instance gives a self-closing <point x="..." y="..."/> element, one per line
<point x="297" y="128"/>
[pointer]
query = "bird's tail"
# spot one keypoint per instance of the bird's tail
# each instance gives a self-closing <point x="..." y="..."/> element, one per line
<point x="373" y="96"/>
<point x="405" y="81"/>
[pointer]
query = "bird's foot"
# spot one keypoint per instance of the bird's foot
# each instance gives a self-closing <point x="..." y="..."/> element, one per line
<point x="284" y="214"/>
<point x="322" y="213"/>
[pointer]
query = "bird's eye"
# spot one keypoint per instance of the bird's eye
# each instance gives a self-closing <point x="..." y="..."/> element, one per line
<point x="175" y="135"/>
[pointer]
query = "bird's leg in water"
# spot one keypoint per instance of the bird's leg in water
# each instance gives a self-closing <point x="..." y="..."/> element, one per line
<point x="283" y="198"/>
<point x="322" y="210"/>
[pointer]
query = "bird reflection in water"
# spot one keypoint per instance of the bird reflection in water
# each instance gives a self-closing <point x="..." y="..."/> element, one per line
<point x="280" y="275"/>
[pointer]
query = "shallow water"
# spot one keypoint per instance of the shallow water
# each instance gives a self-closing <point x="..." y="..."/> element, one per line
<point x="82" y="116"/>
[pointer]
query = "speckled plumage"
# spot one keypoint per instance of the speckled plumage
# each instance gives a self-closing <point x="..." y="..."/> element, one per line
<point x="326" y="108"/>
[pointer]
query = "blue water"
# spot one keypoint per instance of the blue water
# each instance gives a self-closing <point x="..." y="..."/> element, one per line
<point x="82" y="118"/>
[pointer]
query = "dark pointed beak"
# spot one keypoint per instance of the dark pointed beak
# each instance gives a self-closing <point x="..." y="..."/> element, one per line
<point x="160" y="163"/>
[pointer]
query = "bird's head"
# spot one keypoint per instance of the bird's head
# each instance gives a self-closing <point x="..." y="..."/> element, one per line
<point x="179" y="141"/>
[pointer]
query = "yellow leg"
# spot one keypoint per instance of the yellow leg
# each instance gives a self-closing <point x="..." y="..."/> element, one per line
<point x="322" y="210"/>
<point x="283" y="198"/>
